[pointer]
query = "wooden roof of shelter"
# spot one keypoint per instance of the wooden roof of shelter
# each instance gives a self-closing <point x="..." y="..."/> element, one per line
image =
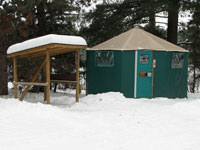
<point x="54" y="44"/>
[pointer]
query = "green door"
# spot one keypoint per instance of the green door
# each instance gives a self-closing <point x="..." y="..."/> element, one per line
<point x="144" y="74"/>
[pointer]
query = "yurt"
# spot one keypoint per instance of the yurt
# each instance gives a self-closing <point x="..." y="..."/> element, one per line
<point x="139" y="65"/>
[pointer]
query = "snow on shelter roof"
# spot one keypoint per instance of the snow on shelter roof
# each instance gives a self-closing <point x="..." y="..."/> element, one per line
<point x="45" y="40"/>
<point x="137" y="39"/>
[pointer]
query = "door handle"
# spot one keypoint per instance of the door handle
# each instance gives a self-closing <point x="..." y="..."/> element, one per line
<point x="149" y="74"/>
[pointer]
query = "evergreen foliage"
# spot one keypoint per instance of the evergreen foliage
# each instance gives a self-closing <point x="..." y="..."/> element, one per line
<point x="194" y="38"/>
<point x="111" y="19"/>
<point x="26" y="19"/>
<point x="22" y="20"/>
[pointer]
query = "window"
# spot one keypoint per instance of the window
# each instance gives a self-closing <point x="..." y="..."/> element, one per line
<point x="105" y="58"/>
<point x="177" y="60"/>
<point x="144" y="59"/>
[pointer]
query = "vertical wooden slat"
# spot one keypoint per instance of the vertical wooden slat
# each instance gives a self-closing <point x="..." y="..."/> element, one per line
<point x="77" y="74"/>
<point x="33" y="79"/>
<point x="48" y="78"/>
<point x="15" y="76"/>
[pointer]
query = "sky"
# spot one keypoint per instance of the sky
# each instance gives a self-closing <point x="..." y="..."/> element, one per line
<point x="184" y="17"/>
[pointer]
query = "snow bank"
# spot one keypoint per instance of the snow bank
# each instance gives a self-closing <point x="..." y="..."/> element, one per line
<point x="47" y="39"/>
<point x="10" y="85"/>
<point x="107" y="121"/>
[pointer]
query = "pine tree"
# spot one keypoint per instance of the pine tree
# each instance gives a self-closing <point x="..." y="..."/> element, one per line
<point x="194" y="36"/>
<point x="111" y="19"/>
<point x="173" y="9"/>
<point x="7" y="17"/>
<point x="22" y="20"/>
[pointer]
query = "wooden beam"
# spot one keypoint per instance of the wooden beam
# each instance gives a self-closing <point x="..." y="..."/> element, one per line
<point x="60" y="51"/>
<point x="33" y="80"/>
<point x="48" y="77"/>
<point x="41" y="50"/>
<point x="15" y="75"/>
<point x="52" y="52"/>
<point x="30" y="83"/>
<point x="77" y="74"/>
<point x="31" y="51"/>
<point x="64" y="81"/>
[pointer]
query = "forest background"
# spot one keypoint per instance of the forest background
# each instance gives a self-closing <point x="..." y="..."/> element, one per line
<point x="96" y="21"/>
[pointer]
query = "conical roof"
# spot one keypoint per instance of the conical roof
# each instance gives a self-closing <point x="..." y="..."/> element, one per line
<point x="137" y="39"/>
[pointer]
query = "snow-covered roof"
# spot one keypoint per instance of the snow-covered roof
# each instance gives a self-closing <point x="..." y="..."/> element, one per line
<point x="47" y="39"/>
<point x="137" y="39"/>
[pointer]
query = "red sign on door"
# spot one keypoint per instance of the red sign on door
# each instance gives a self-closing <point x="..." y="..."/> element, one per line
<point x="154" y="63"/>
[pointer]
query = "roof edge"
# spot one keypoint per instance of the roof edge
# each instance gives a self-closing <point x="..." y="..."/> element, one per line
<point x="88" y="49"/>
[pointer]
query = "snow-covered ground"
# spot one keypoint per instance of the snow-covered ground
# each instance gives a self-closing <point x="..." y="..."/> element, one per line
<point x="106" y="121"/>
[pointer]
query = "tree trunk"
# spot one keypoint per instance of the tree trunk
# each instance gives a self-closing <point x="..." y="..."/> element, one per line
<point x="55" y="88"/>
<point x="173" y="10"/>
<point x="152" y="19"/>
<point x="42" y="28"/>
<point x="3" y="67"/>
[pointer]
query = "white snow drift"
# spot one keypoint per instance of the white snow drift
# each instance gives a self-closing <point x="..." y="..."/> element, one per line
<point x="106" y="121"/>
<point x="47" y="39"/>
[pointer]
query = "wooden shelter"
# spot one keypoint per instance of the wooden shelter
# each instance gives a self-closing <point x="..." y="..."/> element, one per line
<point x="45" y="46"/>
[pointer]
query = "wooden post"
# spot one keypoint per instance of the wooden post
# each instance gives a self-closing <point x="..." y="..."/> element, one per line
<point x="44" y="72"/>
<point x="15" y="76"/>
<point x="48" y="77"/>
<point x="33" y="79"/>
<point x="77" y="75"/>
